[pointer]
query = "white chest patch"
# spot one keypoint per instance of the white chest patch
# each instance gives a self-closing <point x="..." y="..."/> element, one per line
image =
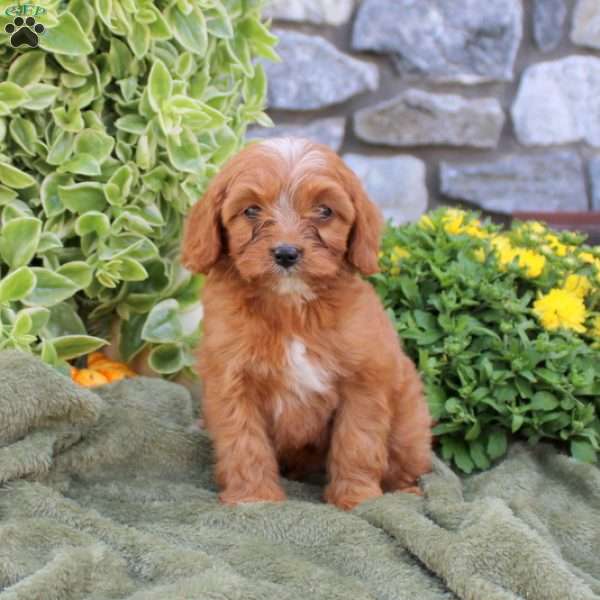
<point x="304" y="378"/>
<point x="294" y="286"/>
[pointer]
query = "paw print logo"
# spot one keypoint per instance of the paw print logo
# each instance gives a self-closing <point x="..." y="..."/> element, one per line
<point x="24" y="31"/>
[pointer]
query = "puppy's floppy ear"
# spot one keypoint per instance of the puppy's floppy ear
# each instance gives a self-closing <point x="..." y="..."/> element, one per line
<point x="202" y="241"/>
<point x="363" y="244"/>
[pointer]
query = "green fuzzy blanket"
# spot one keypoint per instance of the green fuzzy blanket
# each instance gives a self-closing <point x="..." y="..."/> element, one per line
<point x="111" y="495"/>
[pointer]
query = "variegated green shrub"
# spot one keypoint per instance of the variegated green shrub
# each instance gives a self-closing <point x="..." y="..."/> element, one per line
<point x="109" y="131"/>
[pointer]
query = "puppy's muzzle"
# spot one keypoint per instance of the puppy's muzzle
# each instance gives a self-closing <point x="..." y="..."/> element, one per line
<point x="286" y="256"/>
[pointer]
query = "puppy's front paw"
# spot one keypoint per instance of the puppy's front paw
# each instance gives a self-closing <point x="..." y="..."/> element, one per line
<point x="265" y="493"/>
<point x="347" y="494"/>
<point x="413" y="489"/>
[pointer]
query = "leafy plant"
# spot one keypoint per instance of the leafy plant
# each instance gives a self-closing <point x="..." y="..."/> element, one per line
<point x="109" y="131"/>
<point x="505" y="330"/>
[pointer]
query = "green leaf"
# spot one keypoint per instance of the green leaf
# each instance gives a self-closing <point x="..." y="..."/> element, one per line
<point x="473" y="432"/>
<point x="22" y="325"/>
<point x="38" y="317"/>
<point x="517" y="422"/>
<point x="160" y="85"/>
<point x="23" y="132"/>
<point x="104" y="11"/>
<point x="544" y="401"/>
<point x="63" y="320"/>
<point x="189" y="30"/>
<point x="119" y="58"/>
<point x="16" y="285"/>
<point x="118" y="187"/>
<point x="130" y="340"/>
<point x="83" y="11"/>
<point x="61" y="148"/>
<point x="443" y="428"/>
<point x="256" y="87"/>
<point x="140" y="40"/>
<point x="159" y="29"/>
<point x="75" y="65"/>
<point x="478" y="454"/>
<point x="79" y="272"/>
<point x="132" y="270"/>
<point x="27" y="68"/>
<point x="167" y="359"/>
<point x="12" y="95"/>
<point x="19" y="240"/>
<point x="49" y="193"/>
<point x="218" y="22"/>
<point x="548" y="376"/>
<point x="7" y="195"/>
<point x="94" y="143"/>
<point x="81" y="164"/>
<point x="163" y="323"/>
<point x="82" y="197"/>
<point x="48" y="354"/>
<point x="68" y="119"/>
<point x="41" y="96"/>
<point x="16" y="209"/>
<point x="255" y="31"/>
<point x="66" y="37"/>
<point x="497" y="444"/>
<point x="72" y="346"/>
<point x="462" y="458"/>
<point x="132" y="124"/>
<point x="185" y="65"/>
<point x="583" y="451"/>
<point x="50" y="288"/>
<point x="239" y="51"/>
<point x="14" y="178"/>
<point x="92" y="222"/>
<point x="196" y="115"/>
<point x="185" y="154"/>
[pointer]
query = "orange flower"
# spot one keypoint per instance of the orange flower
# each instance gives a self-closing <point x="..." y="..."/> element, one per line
<point x="101" y="370"/>
<point x="89" y="378"/>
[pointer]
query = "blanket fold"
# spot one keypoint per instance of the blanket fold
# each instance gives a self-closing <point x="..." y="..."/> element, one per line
<point x="110" y="494"/>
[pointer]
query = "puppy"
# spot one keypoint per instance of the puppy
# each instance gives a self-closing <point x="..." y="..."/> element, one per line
<point x="301" y="367"/>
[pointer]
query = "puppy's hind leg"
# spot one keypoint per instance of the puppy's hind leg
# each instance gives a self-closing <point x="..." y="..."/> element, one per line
<point x="410" y="435"/>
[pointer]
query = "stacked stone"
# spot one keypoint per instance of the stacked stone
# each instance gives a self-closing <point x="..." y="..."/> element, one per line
<point x="491" y="103"/>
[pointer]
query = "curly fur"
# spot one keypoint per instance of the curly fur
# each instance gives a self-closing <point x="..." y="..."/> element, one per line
<point x="301" y="368"/>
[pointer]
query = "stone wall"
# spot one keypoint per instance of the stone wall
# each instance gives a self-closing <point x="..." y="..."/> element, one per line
<point x="495" y="103"/>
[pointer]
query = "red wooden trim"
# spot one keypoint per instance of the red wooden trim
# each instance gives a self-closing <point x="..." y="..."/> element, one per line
<point x="574" y="219"/>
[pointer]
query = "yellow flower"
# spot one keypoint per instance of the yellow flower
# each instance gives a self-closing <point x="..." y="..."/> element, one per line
<point x="590" y="259"/>
<point x="595" y="330"/>
<point x="504" y="249"/>
<point x="536" y="227"/>
<point x="425" y="222"/>
<point x="474" y="230"/>
<point x="557" y="246"/>
<point x="479" y="255"/>
<point x="380" y="255"/>
<point x="395" y="271"/>
<point x="398" y="253"/>
<point x="560" y="308"/>
<point x="531" y="261"/>
<point x="577" y="284"/>
<point x="453" y="221"/>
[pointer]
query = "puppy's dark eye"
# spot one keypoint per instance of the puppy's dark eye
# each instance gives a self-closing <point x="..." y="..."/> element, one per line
<point x="252" y="211"/>
<point x="324" y="212"/>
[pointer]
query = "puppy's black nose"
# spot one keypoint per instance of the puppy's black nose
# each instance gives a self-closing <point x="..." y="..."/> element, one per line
<point x="286" y="256"/>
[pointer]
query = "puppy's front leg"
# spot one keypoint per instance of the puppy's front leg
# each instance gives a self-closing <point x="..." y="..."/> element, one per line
<point x="358" y="454"/>
<point x="246" y="469"/>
